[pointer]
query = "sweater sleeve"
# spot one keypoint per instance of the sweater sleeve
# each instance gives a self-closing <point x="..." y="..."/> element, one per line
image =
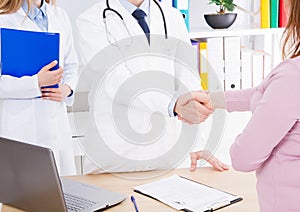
<point x="238" y="100"/>
<point x="274" y="115"/>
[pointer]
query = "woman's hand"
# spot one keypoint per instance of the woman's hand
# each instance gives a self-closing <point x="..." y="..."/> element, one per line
<point x="206" y="155"/>
<point x="47" y="77"/>
<point x="56" y="94"/>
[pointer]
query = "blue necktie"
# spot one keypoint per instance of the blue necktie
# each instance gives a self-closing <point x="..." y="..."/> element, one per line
<point x="140" y="17"/>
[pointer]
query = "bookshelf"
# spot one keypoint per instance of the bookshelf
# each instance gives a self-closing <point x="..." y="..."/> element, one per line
<point x="252" y="37"/>
<point x="206" y="32"/>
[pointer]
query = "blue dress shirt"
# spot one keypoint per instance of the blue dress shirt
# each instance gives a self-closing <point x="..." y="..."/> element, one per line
<point x="37" y="15"/>
<point x="145" y="6"/>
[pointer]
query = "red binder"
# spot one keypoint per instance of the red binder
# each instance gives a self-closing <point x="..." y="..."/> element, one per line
<point x="282" y="14"/>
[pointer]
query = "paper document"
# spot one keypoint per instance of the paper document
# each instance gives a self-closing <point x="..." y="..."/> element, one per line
<point x="184" y="194"/>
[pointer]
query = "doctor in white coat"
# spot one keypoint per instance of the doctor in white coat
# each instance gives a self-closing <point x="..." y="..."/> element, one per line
<point x="93" y="37"/>
<point x="24" y="117"/>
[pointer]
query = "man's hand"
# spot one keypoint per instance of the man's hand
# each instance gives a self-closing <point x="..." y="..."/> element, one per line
<point x="193" y="107"/>
<point x="56" y="94"/>
<point x="206" y="155"/>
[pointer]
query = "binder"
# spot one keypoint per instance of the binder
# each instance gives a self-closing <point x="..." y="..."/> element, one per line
<point x="265" y="13"/>
<point x="184" y="7"/>
<point x="187" y="195"/>
<point x="24" y="53"/>
<point x="232" y="59"/>
<point x="203" y="64"/>
<point x="282" y="14"/>
<point x="215" y="60"/>
<point x="274" y="10"/>
<point x="195" y="45"/>
<point x="246" y="68"/>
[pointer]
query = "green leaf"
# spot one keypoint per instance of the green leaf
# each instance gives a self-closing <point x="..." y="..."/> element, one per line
<point x="229" y="7"/>
<point x="224" y="4"/>
<point x="215" y="1"/>
<point x="228" y="1"/>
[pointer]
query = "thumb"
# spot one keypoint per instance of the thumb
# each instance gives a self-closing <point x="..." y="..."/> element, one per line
<point x="50" y="65"/>
<point x="201" y="96"/>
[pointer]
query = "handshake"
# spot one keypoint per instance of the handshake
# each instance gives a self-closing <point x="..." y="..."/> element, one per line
<point x="194" y="107"/>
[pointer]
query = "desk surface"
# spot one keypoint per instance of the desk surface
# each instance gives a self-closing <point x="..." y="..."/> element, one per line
<point x="242" y="184"/>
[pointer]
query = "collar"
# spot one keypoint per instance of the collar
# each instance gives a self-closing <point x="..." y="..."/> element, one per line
<point x="145" y="6"/>
<point x="34" y="10"/>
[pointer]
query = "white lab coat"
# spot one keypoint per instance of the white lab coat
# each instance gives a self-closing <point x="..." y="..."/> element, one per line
<point x="92" y="39"/>
<point x="34" y="120"/>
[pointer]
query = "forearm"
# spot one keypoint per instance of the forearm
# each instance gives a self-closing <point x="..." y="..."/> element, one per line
<point x="238" y="100"/>
<point x="217" y="100"/>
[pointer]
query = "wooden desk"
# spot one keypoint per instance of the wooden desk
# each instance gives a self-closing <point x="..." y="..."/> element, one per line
<point x="242" y="184"/>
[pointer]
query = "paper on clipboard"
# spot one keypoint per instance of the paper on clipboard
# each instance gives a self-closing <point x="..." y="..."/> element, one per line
<point x="184" y="194"/>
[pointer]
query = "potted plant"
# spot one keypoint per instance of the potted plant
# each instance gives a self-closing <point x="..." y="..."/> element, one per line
<point x="221" y="19"/>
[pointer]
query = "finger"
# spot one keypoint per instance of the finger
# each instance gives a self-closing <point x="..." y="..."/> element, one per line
<point x="217" y="164"/>
<point x="50" y="65"/>
<point x="195" y="113"/>
<point x="194" y="159"/>
<point x="224" y="166"/>
<point x="53" y="96"/>
<point x="58" y="73"/>
<point x="204" y="112"/>
<point x="221" y="166"/>
<point x="49" y="90"/>
<point x="185" y="99"/>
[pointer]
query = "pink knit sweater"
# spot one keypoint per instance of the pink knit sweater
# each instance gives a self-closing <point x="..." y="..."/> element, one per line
<point x="270" y="143"/>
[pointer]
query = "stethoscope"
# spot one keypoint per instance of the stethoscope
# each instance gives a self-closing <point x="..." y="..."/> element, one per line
<point x="108" y="8"/>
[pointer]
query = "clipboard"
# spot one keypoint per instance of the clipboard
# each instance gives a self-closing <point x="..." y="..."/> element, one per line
<point x="24" y="53"/>
<point x="187" y="195"/>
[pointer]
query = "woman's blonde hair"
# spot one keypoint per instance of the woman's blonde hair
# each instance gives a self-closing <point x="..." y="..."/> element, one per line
<point x="11" y="6"/>
<point x="291" y="34"/>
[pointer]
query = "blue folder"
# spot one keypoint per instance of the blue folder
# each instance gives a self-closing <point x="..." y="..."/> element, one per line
<point x="184" y="7"/>
<point x="24" y="53"/>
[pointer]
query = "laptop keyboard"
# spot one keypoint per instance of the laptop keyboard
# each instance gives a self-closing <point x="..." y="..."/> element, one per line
<point x="77" y="203"/>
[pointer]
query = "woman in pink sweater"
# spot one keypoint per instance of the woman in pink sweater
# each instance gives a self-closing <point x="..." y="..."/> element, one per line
<point x="270" y="143"/>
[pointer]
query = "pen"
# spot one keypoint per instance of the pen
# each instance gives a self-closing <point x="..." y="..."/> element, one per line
<point x="134" y="203"/>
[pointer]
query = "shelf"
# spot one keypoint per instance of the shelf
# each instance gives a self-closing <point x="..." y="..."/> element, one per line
<point x="207" y="32"/>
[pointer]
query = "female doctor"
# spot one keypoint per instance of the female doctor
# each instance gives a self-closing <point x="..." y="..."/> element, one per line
<point x="95" y="35"/>
<point x="42" y="121"/>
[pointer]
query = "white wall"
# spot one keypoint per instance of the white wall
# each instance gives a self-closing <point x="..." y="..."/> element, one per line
<point x="74" y="8"/>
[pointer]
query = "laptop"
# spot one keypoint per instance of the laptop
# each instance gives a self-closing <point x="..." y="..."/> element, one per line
<point x="29" y="181"/>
